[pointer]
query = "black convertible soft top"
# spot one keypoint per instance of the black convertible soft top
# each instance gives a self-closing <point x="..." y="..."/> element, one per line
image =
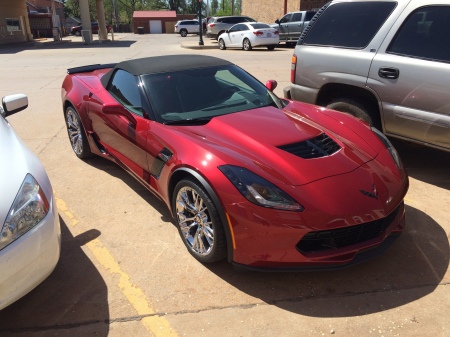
<point x="163" y="64"/>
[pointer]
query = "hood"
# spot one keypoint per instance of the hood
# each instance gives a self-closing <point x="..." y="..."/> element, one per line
<point x="16" y="161"/>
<point x="286" y="146"/>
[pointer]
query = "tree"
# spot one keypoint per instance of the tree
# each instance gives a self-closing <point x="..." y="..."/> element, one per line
<point x="214" y="6"/>
<point x="177" y="5"/>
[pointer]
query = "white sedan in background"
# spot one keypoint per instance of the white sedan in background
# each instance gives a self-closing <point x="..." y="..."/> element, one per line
<point x="247" y="35"/>
<point x="30" y="234"/>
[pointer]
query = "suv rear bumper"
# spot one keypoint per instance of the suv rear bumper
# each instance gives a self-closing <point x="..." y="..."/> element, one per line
<point x="302" y="93"/>
<point x="211" y="35"/>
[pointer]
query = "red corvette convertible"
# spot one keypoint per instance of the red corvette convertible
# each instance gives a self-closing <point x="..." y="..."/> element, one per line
<point x="265" y="182"/>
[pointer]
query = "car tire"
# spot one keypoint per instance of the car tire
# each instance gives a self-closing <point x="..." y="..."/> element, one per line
<point x="246" y="45"/>
<point x="77" y="134"/>
<point x="222" y="44"/>
<point x="77" y="33"/>
<point x="352" y="107"/>
<point x="271" y="47"/>
<point x="183" y="33"/>
<point x="198" y="222"/>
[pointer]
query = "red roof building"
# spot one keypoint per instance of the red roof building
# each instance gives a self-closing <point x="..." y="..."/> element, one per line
<point x="157" y="22"/>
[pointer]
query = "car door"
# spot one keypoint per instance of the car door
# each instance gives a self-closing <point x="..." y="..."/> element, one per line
<point x="411" y="76"/>
<point x="120" y="122"/>
<point x="284" y="26"/>
<point x="235" y="35"/>
<point x="295" y="26"/>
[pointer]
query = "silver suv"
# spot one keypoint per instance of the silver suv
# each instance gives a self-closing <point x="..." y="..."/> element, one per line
<point x="185" y="27"/>
<point x="387" y="62"/>
<point x="219" y="24"/>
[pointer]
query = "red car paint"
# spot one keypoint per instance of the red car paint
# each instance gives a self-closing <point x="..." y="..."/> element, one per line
<point x="334" y="190"/>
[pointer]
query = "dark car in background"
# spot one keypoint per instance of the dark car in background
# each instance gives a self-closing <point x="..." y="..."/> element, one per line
<point x="76" y="30"/>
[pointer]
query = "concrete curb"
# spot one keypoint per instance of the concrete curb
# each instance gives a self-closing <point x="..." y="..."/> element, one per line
<point x="191" y="45"/>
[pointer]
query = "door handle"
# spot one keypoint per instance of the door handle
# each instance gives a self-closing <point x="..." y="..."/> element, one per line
<point x="387" y="72"/>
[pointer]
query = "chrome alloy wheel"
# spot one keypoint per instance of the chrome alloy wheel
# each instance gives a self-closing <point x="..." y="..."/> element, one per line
<point x="75" y="132"/>
<point x="194" y="221"/>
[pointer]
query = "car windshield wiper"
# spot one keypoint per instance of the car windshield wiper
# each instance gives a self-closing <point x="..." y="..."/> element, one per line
<point x="189" y="121"/>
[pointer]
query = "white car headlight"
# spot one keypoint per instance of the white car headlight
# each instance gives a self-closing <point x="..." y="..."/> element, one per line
<point x="29" y="207"/>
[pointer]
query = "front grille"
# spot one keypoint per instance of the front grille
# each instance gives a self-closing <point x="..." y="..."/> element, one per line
<point x="343" y="237"/>
<point x="317" y="147"/>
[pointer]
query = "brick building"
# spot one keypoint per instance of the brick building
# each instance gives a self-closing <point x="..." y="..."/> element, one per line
<point x="269" y="10"/>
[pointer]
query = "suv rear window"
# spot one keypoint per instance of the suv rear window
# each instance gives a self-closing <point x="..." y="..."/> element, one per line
<point x="349" y="24"/>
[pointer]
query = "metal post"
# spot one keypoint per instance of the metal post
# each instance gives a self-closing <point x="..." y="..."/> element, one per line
<point x="200" y="23"/>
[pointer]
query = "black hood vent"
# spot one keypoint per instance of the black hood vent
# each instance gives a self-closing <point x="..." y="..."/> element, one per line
<point x="320" y="146"/>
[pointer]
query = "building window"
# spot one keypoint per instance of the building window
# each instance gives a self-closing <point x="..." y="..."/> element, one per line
<point x="12" y="25"/>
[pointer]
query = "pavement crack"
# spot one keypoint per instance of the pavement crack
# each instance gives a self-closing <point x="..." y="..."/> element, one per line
<point x="137" y="318"/>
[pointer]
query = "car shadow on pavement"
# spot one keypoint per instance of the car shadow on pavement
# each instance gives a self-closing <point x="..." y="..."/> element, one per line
<point x="409" y="270"/>
<point x="425" y="164"/>
<point x="73" y="298"/>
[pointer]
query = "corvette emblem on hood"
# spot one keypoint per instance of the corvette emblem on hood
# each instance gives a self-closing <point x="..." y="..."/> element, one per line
<point x="373" y="194"/>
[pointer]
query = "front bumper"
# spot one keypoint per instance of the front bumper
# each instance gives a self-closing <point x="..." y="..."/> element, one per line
<point x="338" y="227"/>
<point x="29" y="260"/>
<point x="362" y="256"/>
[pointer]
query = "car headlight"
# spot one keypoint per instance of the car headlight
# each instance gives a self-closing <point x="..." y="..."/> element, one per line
<point x="258" y="190"/>
<point x="29" y="207"/>
<point x="389" y="147"/>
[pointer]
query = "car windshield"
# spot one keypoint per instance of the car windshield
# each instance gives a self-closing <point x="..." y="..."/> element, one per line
<point x="198" y="95"/>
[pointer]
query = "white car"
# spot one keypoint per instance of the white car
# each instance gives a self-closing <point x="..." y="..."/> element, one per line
<point x="185" y="27"/>
<point x="30" y="234"/>
<point x="247" y="35"/>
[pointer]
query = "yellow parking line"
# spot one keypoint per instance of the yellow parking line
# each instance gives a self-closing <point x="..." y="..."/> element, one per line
<point x="155" y="324"/>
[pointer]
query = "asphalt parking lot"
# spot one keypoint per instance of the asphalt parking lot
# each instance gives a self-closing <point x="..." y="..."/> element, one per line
<point x="124" y="270"/>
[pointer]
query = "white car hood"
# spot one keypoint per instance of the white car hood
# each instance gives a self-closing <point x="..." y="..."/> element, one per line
<point x="16" y="160"/>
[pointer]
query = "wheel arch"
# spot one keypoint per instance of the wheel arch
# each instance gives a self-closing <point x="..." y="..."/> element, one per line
<point x="186" y="172"/>
<point x="86" y="125"/>
<point x="332" y="91"/>
<point x="67" y="103"/>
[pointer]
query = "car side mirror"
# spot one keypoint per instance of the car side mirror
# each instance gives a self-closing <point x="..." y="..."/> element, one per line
<point x="277" y="21"/>
<point x="14" y="103"/>
<point x="118" y="109"/>
<point x="271" y="85"/>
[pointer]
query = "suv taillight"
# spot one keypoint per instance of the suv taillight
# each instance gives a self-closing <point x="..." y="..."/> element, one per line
<point x="293" y="67"/>
<point x="211" y="25"/>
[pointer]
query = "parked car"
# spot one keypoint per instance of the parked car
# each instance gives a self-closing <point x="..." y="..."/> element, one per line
<point x="249" y="35"/>
<point x="386" y="62"/>
<point x="30" y="235"/>
<point x="185" y="27"/>
<point x="291" y="25"/>
<point x="262" y="181"/>
<point x="219" y="24"/>
<point x="76" y="30"/>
